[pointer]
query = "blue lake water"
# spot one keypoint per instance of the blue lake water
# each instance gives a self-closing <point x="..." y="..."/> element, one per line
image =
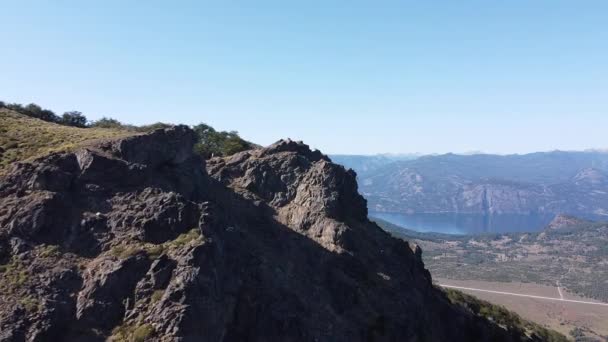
<point x="466" y="223"/>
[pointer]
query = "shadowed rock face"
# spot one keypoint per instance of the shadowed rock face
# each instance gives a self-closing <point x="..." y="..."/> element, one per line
<point x="138" y="237"/>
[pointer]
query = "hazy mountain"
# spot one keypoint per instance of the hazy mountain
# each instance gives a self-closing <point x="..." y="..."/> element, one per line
<point x="544" y="182"/>
<point x="367" y="164"/>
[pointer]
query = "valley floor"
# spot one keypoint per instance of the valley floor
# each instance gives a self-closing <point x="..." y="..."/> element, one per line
<point x="540" y="303"/>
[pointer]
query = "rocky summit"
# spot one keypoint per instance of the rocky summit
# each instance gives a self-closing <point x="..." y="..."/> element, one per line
<point x="139" y="239"/>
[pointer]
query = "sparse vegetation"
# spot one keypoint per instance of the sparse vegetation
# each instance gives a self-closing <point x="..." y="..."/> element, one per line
<point x="125" y="251"/>
<point x="157" y="295"/>
<point x="24" y="138"/>
<point x="132" y="333"/>
<point x="28" y="132"/>
<point x="12" y="276"/>
<point x="110" y="123"/>
<point x="184" y="238"/>
<point x="142" y="333"/>
<point x="107" y="123"/>
<point x="47" y="251"/>
<point x="71" y="118"/>
<point x="570" y="255"/>
<point x="30" y="304"/>
<point x="153" y="251"/>
<point x="505" y="318"/>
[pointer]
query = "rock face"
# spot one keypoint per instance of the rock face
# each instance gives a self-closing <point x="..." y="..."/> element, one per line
<point x="136" y="240"/>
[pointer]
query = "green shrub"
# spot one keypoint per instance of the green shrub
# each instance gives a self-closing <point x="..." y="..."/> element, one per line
<point x="185" y="238"/>
<point x="218" y="143"/>
<point x="132" y="333"/>
<point x="154" y="251"/>
<point x="142" y="333"/>
<point x="30" y="304"/>
<point x="48" y="251"/>
<point x="124" y="251"/>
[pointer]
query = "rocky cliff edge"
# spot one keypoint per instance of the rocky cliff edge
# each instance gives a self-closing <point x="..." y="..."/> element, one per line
<point x="140" y="239"/>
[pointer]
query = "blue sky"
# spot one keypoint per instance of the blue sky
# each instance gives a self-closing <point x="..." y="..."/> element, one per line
<point x="344" y="76"/>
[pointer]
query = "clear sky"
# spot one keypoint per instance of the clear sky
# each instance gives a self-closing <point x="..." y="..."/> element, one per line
<point x="346" y="77"/>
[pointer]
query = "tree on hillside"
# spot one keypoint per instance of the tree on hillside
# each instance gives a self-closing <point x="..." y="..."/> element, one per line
<point x="74" y="118"/>
<point x="214" y="143"/>
<point x="107" y="123"/>
<point x="32" y="110"/>
<point x="151" y="127"/>
<point x="36" y="111"/>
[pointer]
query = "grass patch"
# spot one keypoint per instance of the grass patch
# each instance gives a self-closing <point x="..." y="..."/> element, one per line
<point x="132" y="333"/>
<point x="142" y="332"/>
<point x="23" y="138"/>
<point x="125" y="251"/>
<point x="12" y="276"/>
<point x="30" y="304"/>
<point x="184" y="238"/>
<point x="157" y="295"/>
<point x="155" y="250"/>
<point x="48" y="251"/>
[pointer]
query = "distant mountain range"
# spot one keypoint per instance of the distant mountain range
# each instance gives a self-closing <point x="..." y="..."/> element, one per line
<point x="367" y="164"/>
<point x="543" y="182"/>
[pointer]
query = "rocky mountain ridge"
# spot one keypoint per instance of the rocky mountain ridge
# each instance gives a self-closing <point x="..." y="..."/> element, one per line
<point x="135" y="239"/>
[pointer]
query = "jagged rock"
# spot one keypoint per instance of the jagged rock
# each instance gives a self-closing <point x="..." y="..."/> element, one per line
<point x="272" y="244"/>
<point x="160" y="271"/>
<point x="416" y="249"/>
<point x="163" y="146"/>
<point x="97" y="168"/>
<point x="18" y="245"/>
<point x="35" y="216"/>
<point x="107" y="284"/>
<point x="153" y="215"/>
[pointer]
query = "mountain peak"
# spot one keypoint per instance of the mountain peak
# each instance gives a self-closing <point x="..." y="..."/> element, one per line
<point x="136" y="236"/>
<point x="288" y="145"/>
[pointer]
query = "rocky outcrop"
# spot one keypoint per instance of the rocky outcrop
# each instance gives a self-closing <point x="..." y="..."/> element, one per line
<point x="565" y="221"/>
<point x="139" y="239"/>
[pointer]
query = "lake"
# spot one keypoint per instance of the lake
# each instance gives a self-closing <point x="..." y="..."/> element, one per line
<point x="451" y="223"/>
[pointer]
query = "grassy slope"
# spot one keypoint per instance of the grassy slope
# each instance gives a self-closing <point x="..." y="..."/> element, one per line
<point x="23" y="138"/>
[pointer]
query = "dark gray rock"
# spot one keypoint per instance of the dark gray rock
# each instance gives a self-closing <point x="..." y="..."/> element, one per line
<point x="163" y="146"/>
<point x="108" y="283"/>
<point x="271" y="244"/>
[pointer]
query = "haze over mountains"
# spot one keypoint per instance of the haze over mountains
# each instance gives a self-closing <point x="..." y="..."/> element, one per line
<point x="543" y="182"/>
